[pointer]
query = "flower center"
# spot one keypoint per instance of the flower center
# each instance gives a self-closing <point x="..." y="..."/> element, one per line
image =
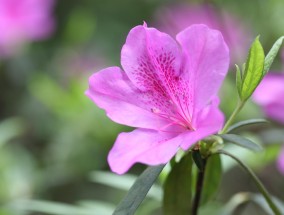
<point x="175" y="118"/>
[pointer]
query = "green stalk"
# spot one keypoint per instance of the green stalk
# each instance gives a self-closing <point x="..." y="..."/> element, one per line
<point x="258" y="183"/>
<point x="232" y="117"/>
<point x="199" y="189"/>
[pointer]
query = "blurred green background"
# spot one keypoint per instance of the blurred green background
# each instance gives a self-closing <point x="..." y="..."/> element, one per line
<point x="54" y="141"/>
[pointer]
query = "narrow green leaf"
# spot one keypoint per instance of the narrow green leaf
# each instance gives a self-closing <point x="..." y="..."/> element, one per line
<point x="196" y="156"/>
<point x="243" y="67"/>
<point x="253" y="70"/>
<point x="213" y="174"/>
<point x="241" y="141"/>
<point x="177" y="188"/>
<point x="123" y="182"/>
<point x="272" y="54"/>
<point x="258" y="199"/>
<point x="245" y="197"/>
<point x="236" y="201"/>
<point x="261" y="188"/>
<point x="238" y="79"/>
<point x="246" y="123"/>
<point x="138" y="191"/>
<point x="54" y="208"/>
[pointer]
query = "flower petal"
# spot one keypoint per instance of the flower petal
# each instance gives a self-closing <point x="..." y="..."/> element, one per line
<point x="150" y="58"/>
<point x="210" y="120"/>
<point x="112" y="91"/>
<point x="280" y="161"/>
<point x="142" y="145"/>
<point x="154" y="147"/>
<point x="270" y="89"/>
<point x="153" y="62"/>
<point x="275" y="111"/>
<point x="207" y="61"/>
<point x="270" y="95"/>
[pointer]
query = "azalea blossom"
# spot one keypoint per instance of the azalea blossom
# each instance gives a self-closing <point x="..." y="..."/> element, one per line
<point x="280" y="162"/>
<point x="22" y="21"/>
<point x="167" y="89"/>
<point x="176" y="17"/>
<point x="270" y="96"/>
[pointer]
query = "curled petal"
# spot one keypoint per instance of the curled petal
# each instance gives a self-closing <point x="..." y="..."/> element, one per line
<point x="207" y="61"/>
<point x="144" y="146"/>
<point x="112" y="91"/>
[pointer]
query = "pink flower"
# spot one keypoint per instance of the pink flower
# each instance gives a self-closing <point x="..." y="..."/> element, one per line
<point x="167" y="89"/>
<point x="22" y="21"/>
<point x="270" y="96"/>
<point x="280" y="162"/>
<point x="173" y="19"/>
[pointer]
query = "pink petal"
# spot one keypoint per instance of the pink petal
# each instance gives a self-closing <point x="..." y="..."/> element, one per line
<point x="150" y="58"/>
<point x="153" y="62"/>
<point x="210" y="120"/>
<point x="270" y="90"/>
<point x="207" y="57"/>
<point x="144" y="146"/>
<point x="275" y="111"/>
<point x="156" y="147"/>
<point x="112" y="91"/>
<point x="280" y="162"/>
<point x="270" y="95"/>
<point x="22" y="21"/>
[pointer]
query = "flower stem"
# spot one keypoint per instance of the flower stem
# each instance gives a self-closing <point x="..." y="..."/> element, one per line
<point x="258" y="183"/>
<point x="198" y="189"/>
<point x="232" y="117"/>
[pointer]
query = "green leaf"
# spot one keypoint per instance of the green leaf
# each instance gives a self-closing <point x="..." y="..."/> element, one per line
<point x="53" y="208"/>
<point x="253" y="73"/>
<point x="256" y="180"/>
<point x="212" y="177"/>
<point x="177" y="188"/>
<point x="246" y="123"/>
<point x="138" y="191"/>
<point x="123" y="182"/>
<point x="272" y="54"/>
<point x="260" y="201"/>
<point x="238" y="79"/>
<point x="241" y="141"/>
<point x="245" y="197"/>
<point x="243" y="66"/>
